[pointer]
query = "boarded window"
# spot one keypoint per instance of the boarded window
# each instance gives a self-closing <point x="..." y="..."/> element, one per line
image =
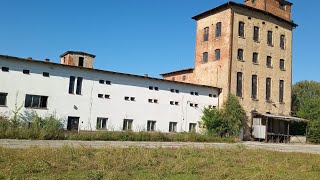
<point x="240" y="54"/>
<point x="127" y="124"/>
<point x="282" y="66"/>
<point x="256" y="33"/>
<point x="35" y="101"/>
<point x="206" y="34"/>
<point x="268" y="89"/>
<point x="269" y="38"/>
<point x="218" y="29"/>
<point x="255" y="58"/>
<point x="241" y="29"/>
<point x="102" y="123"/>
<point x="254" y="86"/>
<point x="239" y="84"/>
<point x="151" y="125"/>
<point x="217" y="54"/>
<point x="282" y="41"/>
<point x="79" y="85"/>
<point x="269" y="62"/>
<point x="205" y="57"/>
<point x="3" y="99"/>
<point x="192" y="127"/>
<point x="281" y="90"/>
<point x="81" y="61"/>
<point x="173" y="126"/>
<point x="71" y="84"/>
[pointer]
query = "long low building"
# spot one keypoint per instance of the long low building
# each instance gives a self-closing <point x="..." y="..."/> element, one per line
<point x="91" y="99"/>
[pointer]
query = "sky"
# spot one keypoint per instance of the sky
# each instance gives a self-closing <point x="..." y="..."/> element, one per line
<point x="133" y="36"/>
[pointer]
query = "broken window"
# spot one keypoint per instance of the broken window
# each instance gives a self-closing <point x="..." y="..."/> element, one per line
<point x="254" y="87"/>
<point x="282" y="41"/>
<point x="35" y="101"/>
<point x="240" y="54"/>
<point x="205" y="57"/>
<point x="241" y="29"/>
<point x="79" y="85"/>
<point x="127" y="124"/>
<point x="239" y="84"/>
<point x="151" y="125"/>
<point x="217" y="54"/>
<point x="269" y="38"/>
<point x="256" y="33"/>
<point x="81" y="61"/>
<point x="173" y="126"/>
<point x="268" y="89"/>
<point x="255" y="58"/>
<point x="71" y="84"/>
<point x="282" y="66"/>
<point x="206" y="34"/>
<point x="281" y="90"/>
<point x="218" y="29"/>
<point x="102" y="123"/>
<point x="192" y="127"/>
<point x="3" y="99"/>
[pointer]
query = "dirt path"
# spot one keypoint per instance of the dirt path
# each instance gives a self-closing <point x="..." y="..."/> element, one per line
<point x="314" y="149"/>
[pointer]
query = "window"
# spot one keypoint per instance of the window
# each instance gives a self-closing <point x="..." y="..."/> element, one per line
<point x="81" y="61"/>
<point x="269" y="61"/>
<point x="71" y="84"/>
<point x="192" y="127"/>
<point x="153" y="100"/>
<point x="151" y="87"/>
<point x="45" y="74"/>
<point x="206" y="34"/>
<point x="239" y="84"/>
<point x="191" y="104"/>
<point x="240" y="54"/>
<point x="3" y="99"/>
<point x="256" y="33"/>
<point x="218" y="29"/>
<point x="5" y="69"/>
<point x="108" y="82"/>
<point x="269" y="38"/>
<point x="184" y="78"/>
<point x="107" y="96"/>
<point x="268" y="89"/>
<point x="126" y="98"/>
<point x="174" y="103"/>
<point x="102" y="123"/>
<point x="151" y="125"/>
<point x="210" y="95"/>
<point x="129" y="98"/>
<point x="281" y="90"/>
<point x="196" y="105"/>
<point x="282" y="6"/>
<point x="282" y="67"/>
<point x="101" y="81"/>
<point x="156" y="88"/>
<point x="254" y="87"/>
<point x="174" y="90"/>
<point x="205" y="57"/>
<point x="79" y="85"/>
<point x="241" y="29"/>
<point x="196" y="93"/>
<point x="282" y="41"/>
<point x="255" y="58"/>
<point x="132" y="99"/>
<point x="173" y="126"/>
<point x="217" y="54"/>
<point x="100" y="95"/>
<point x="25" y="71"/>
<point x="253" y="2"/>
<point x="127" y="124"/>
<point x="35" y="101"/>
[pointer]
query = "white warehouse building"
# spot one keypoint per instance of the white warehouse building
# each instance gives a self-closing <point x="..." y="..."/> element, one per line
<point x="90" y="99"/>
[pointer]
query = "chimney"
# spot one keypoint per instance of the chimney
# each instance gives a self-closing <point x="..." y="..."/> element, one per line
<point x="47" y="60"/>
<point x="146" y="75"/>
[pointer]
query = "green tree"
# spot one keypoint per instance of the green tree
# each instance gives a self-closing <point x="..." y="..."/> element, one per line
<point x="227" y="120"/>
<point x="306" y="104"/>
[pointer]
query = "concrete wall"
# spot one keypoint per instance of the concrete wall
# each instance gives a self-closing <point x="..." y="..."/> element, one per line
<point x="88" y="106"/>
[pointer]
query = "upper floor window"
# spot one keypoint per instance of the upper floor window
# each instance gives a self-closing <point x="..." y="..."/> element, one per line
<point x="269" y="62"/>
<point x="282" y="41"/>
<point x="25" y="71"/>
<point x="268" y="89"/>
<point x="255" y="57"/>
<point x="35" y="101"/>
<point x="282" y="6"/>
<point x="253" y="2"/>
<point x="3" y="99"/>
<point x="71" y="84"/>
<point x="281" y="90"/>
<point x="256" y="33"/>
<point x="5" y="69"/>
<point x="81" y="61"/>
<point x="241" y="29"/>
<point x="218" y="29"/>
<point x="45" y="74"/>
<point x="282" y="66"/>
<point x="254" y="86"/>
<point x="127" y="124"/>
<point x="269" y="38"/>
<point x="206" y="34"/>
<point x="205" y="57"/>
<point x="240" y="54"/>
<point x="217" y="54"/>
<point x="79" y="85"/>
<point x="239" y="84"/>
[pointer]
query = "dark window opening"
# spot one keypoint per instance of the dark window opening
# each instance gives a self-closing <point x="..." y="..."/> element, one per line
<point x="107" y="96"/>
<point x="256" y="33"/>
<point x="3" y="99"/>
<point x="206" y="34"/>
<point x="240" y="54"/>
<point x="282" y="66"/>
<point x="101" y="81"/>
<point x="35" y="101"/>
<point x="218" y="29"/>
<point x="192" y="127"/>
<point x="255" y="58"/>
<point x="196" y="93"/>
<point x="5" y="69"/>
<point x="102" y="123"/>
<point x="100" y="95"/>
<point x="150" y="87"/>
<point x="241" y="29"/>
<point x="79" y="85"/>
<point x="173" y="126"/>
<point x="217" y="54"/>
<point x="184" y="78"/>
<point x="269" y="38"/>
<point x="81" y="61"/>
<point x="239" y="84"/>
<point x="71" y="84"/>
<point x="25" y="71"/>
<point x="151" y="125"/>
<point x="45" y="74"/>
<point x="282" y="6"/>
<point x="155" y="101"/>
<point x="156" y="88"/>
<point x="127" y="98"/>
<point x="282" y="41"/>
<point x="269" y="61"/>
<point x="108" y="82"/>
<point x="127" y="124"/>
<point x="268" y="89"/>
<point x="205" y="57"/>
<point x="192" y="93"/>
<point x="254" y="86"/>
<point x="281" y="91"/>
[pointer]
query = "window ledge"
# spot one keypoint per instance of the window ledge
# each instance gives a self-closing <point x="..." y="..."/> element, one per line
<point x="255" y="99"/>
<point x="268" y="101"/>
<point x="271" y="67"/>
<point x="241" y="60"/>
<point x="283" y="69"/>
<point x="256" y="41"/>
<point x="36" y="108"/>
<point x="242" y="37"/>
<point x="270" y="45"/>
<point x="3" y="106"/>
<point x="255" y="63"/>
<point x="282" y="103"/>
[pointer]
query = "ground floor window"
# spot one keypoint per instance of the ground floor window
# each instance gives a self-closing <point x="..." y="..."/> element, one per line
<point x="73" y="123"/>
<point x="35" y="101"/>
<point x="151" y="125"/>
<point x="173" y="126"/>
<point x="127" y="124"/>
<point x="192" y="127"/>
<point x="3" y="99"/>
<point x="101" y="123"/>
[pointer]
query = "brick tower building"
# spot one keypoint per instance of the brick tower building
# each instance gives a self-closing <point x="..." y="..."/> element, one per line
<point x="245" y="49"/>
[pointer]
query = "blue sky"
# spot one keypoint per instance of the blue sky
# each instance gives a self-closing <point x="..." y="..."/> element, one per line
<point x="133" y="36"/>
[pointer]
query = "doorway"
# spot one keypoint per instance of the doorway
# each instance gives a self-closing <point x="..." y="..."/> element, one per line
<point x="73" y="123"/>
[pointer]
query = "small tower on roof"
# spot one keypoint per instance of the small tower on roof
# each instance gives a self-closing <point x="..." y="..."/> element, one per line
<point x="77" y="58"/>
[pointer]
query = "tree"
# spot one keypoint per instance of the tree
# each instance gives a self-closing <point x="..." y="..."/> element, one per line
<point x="306" y="104"/>
<point x="227" y="120"/>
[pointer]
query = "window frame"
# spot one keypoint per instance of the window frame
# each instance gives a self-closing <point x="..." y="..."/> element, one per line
<point x="270" y="38"/>
<point x="269" y="62"/>
<point x="173" y="127"/>
<point x="79" y="86"/>
<point x="281" y="91"/>
<point x="192" y="127"/>
<point x="239" y="89"/>
<point x="5" y="95"/>
<point x="218" y="30"/>
<point x="256" y="33"/>
<point x="255" y="58"/>
<point x="240" y="54"/>
<point x="206" y="34"/>
<point x="268" y="89"/>
<point x="100" y="122"/>
<point x="254" y="87"/>
<point x="241" y="29"/>
<point x="41" y="104"/>
<point x="282" y="65"/>
<point x="205" y="57"/>
<point x="217" y="54"/>
<point x="72" y="81"/>
<point x="282" y="41"/>
<point x="151" y="125"/>
<point x="127" y="125"/>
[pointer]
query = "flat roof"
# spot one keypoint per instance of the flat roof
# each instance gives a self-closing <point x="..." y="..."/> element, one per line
<point x="98" y="70"/>
<point x="283" y="118"/>
<point x="231" y="3"/>
<point x="178" y="71"/>
<point x="78" y="53"/>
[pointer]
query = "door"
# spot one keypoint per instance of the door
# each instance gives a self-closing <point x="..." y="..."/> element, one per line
<point x="73" y="123"/>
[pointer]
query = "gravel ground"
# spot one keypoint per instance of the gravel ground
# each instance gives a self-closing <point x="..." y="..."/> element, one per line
<point x="304" y="148"/>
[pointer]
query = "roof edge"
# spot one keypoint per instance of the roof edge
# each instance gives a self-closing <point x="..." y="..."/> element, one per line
<point x="178" y="71"/>
<point x="78" y="53"/>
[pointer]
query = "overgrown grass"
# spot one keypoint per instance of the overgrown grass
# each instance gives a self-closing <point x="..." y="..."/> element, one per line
<point x="51" y="128"/>
<point x="139" y="163"/>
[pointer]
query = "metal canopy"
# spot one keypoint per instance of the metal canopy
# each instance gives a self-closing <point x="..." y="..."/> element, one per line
<point x="283" y="118"/>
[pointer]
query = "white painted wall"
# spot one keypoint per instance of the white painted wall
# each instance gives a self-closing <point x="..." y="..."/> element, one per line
<point x="88" y="106"/>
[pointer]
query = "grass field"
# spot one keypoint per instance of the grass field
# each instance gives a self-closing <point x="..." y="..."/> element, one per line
<point x="139" y="163"/>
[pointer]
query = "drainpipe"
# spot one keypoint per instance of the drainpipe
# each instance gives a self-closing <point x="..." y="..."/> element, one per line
<point x="231" y="50"/>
